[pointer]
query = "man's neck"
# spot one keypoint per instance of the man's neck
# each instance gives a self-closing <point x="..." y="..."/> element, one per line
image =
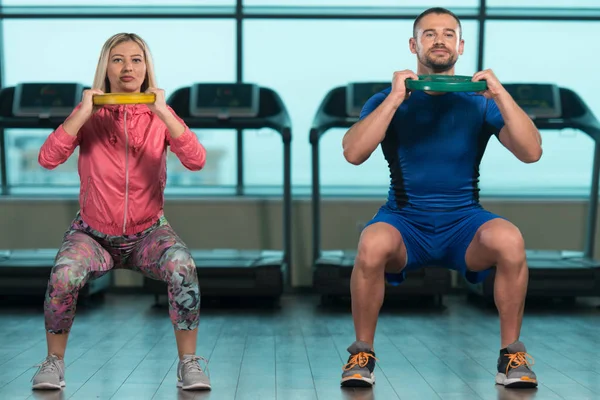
<point x="424" y="70"/>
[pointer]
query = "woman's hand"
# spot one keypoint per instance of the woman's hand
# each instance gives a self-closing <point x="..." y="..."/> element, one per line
<point x="160" y="104"/>
<point x="87" y="102"/>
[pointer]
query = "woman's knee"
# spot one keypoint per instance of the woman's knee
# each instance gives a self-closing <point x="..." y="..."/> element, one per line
<point x="68" y="275"/>
<point x="74" y="263"/>
<point x="184" y="290"/>
<point x="179" y="265"/>
<point x="64" y="279"/>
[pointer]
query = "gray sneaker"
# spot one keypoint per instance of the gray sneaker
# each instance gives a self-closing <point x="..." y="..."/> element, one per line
<point x="50" y="375"/>
<point x="514" y="370"/>
<point x="190" y="375"/>
<point x="358" y="372"/>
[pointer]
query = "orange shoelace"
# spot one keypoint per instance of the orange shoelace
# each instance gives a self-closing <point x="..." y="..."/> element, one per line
<point x="361" y="359"/>
<point x="518" y="359"/>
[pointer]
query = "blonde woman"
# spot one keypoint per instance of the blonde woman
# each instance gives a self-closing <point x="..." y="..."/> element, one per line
<point x="120" y="223"/>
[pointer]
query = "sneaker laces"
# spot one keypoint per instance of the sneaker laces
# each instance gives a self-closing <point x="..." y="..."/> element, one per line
<point x="48" y="365"/>
<point x="516" y="360"/>
<point x="361" y="360"/>
<point x="192" y="364"/>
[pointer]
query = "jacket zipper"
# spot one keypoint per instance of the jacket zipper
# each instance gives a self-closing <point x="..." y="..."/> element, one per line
<point x="126" y="172"/>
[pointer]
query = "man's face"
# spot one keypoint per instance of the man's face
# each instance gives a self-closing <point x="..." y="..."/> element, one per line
<point x="437" y="43"/>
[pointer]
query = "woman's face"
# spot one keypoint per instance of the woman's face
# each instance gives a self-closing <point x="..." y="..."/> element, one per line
<point x="126" y="68"/>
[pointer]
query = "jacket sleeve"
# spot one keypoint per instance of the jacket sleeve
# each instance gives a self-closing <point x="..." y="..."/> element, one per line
<point x="58" y="147"/>
<point x="187" y="147"/>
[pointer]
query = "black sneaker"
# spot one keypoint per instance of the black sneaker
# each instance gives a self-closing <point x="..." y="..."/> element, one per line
<point x="514" y="370"/>
<point x="358" y="372"/>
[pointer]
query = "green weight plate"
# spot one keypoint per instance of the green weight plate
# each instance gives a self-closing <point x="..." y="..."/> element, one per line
<point x="446" y="83"/>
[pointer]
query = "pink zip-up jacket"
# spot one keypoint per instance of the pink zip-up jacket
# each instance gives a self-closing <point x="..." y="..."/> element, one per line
<point x="122" y="165"/>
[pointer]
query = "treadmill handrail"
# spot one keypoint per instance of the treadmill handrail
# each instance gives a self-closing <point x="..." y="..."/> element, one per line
<point x="326" y="124"/>
<point x="586" y="122"/>
<point x="205" y="123"/>
<point x="592" y="131"/>
<point x="27" y="122"/>
<point x="322" y="121"/>
<point x="279" y="122"/>
<point x="283" y="128"/>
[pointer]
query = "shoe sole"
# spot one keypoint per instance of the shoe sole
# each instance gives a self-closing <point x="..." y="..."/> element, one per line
<point x="49" y="386"/>
<point x="353" y="381"/>
<point x="195" y="386"/>
<point x="516" y="382"/>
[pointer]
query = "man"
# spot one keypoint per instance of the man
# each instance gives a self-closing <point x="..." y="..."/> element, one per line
<point x="433" y="143"/>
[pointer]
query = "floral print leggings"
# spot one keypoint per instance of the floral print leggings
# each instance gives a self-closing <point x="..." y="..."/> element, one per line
<point x="156" y="252"/>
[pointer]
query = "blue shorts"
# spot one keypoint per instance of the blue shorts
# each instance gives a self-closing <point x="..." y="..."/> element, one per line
<point x="436" y="238"/>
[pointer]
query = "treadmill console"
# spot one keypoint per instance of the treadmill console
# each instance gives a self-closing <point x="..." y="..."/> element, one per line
<point x="45" y="100"/>
<point x="538" y="100"/>
<point x="357" y="94"/>
<point x="224" y="100"/>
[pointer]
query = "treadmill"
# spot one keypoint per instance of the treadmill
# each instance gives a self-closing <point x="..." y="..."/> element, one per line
<point x="558" y="273"/>
<point x="226" y="273"/>
<point x="332" y="269"/>
<point x="25" y="272"/>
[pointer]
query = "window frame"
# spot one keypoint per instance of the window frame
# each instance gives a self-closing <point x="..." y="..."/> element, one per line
<point x="482" y="14"/>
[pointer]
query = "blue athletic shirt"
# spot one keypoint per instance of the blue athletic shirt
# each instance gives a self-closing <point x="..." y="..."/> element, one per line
<point x="434" y="145"/>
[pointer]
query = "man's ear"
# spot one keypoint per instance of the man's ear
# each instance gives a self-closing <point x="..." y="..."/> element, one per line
<point x="412" y="44"/>
<point x="461" y="47"/>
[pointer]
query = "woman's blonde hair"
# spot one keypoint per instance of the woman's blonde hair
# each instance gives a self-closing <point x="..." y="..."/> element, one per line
<point x="101" y="79"/>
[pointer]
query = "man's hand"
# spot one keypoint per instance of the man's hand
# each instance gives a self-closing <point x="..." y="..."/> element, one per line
<point x="399" y="92"/>
<point x="494" y="89"/>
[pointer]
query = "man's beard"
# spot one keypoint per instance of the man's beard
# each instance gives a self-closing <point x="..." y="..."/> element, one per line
<point x="438" y="65"/>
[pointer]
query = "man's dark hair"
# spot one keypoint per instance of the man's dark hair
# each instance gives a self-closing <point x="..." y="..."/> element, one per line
<point x="435" y="10"/>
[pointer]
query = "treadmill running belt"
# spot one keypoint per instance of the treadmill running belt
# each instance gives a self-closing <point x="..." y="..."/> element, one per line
<point x="25" y="272"/>
<point x="344" y="258"/>
<point x="231" y="258"/>
<point x="28" y="258"/>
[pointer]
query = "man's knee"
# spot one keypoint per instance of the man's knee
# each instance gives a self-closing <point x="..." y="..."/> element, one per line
<point x="504" y="240"/>
<point x="379" y="245"/>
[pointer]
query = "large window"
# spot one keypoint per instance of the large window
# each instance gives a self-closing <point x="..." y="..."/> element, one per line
<point x="370" y="3"/>
<point x="184" y="51"/>
<point x="516" y="54"/>
<point x="117" y="2"/>
<point x="544" y="3"/>
<point x="303" y="60"/>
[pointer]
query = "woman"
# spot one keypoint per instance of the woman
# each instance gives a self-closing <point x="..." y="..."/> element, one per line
<point x="122" y="169"/>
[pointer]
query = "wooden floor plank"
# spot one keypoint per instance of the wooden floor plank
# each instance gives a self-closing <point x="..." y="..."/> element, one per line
<point x="257" y="378"/>
<point x="124" y="348"/>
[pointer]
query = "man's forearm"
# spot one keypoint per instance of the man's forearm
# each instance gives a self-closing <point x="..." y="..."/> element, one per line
<point x="524" y="137"/>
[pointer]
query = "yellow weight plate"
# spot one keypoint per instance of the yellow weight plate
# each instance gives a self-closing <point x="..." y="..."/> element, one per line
<point x="124" y="98"/>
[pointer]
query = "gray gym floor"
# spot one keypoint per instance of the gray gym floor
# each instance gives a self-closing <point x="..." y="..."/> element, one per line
<point x="123" y="348"/>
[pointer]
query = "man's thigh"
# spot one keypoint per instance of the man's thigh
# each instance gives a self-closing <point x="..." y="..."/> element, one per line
<point x="412" y="244"/>
<point x="463" y="252"/>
